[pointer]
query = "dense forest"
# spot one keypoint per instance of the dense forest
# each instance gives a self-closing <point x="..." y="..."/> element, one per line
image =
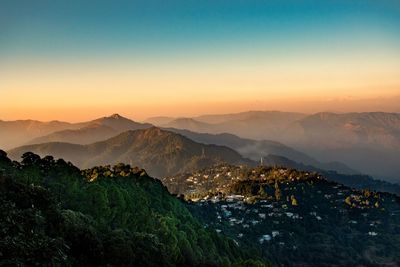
<point x="52" y="213"/>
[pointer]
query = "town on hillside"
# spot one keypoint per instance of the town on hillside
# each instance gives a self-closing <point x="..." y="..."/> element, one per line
<point x="288" y="213"/>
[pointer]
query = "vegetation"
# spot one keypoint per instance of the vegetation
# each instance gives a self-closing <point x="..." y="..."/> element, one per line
<point x="53" y="213"/>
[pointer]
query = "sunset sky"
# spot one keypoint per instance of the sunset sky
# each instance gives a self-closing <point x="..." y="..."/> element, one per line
<point x="75" y="60"/>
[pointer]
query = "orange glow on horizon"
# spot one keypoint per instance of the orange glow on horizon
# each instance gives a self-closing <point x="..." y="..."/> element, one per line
<point x="77" y="92"/>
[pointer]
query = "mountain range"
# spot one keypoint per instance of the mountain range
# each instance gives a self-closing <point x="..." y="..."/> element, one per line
<point x="348" y="143"/>
<point x="17" y="133"/>
<point x="257" y="149"/>
<point x="104" y="128"/>
<point x="160" y="152"/>
<point x="368" y="142"/>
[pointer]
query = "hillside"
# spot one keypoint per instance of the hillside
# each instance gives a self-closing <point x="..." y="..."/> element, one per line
<point x="357" y="181"/>
<point x="160" y="152"/>
<point x="296" y="218"/>
<point x="53" y="214"/>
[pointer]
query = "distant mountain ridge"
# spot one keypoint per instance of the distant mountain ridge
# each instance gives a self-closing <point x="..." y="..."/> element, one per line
<point x="16" y="133"/>
<point x="263" y="124"/>
<point x="368" y="141"/>
<point x="93" y="131"/>
<point x="21" y="132"/>
<point x="255" y="150"/>
<point x="160" y="152"/>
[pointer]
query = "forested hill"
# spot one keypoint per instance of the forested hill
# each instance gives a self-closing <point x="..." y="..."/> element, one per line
<point x="52" y="213"/>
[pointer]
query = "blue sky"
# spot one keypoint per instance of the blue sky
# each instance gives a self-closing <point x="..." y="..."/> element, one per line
<point x="151" y="28"/>
<point x="177" y="55"/>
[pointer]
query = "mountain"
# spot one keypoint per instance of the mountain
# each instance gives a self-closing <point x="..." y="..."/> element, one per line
<point x="368" y="142"/>
<point x="331" y="130"/>
<point x="16" y="133"/>
<point x="264" y="124"/>
<point x="118" y="123"/>
<point x="160" y="152"/>
<point x="255" y="149"/>
<point x="92" y="131"/>
<point x="272" y="116"/>
<point x="252" y="124"/>
<point x="160" y="120"/>
<point x="192" y="125"/>
<point x="326" y="129"/>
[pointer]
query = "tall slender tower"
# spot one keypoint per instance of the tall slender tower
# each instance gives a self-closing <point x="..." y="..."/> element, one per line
<point x="203" y="154"/>
<point x="261" y="161"/>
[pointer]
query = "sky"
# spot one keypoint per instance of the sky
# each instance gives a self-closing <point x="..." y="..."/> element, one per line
<point x="76" y="60"/>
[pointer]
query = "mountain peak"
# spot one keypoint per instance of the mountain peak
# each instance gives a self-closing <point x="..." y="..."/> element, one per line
<point x="116" y="116"/>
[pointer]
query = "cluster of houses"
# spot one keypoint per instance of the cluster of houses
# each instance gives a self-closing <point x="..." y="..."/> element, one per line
<point x="234" y="211"/>
<point x="240" y="213"/>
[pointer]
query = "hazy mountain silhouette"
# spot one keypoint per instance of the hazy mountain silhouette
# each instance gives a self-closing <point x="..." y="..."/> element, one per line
<point x="254" y="149"/>
<point x="159" y="120"/>
<point x="259" y="125"/>
<point x="368" y="142"/>
<point x="93" y="131"/>
<point x="160" y="152"/>
<point x="331" y="130"/>
<point x="192" y="125"/>
<point x="16" y="133"/>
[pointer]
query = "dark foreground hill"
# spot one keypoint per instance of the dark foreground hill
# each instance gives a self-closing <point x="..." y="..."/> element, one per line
<point x="53" y="214"/>
<point x="158" y="151"/>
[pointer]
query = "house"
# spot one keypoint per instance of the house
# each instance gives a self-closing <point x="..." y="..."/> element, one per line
<point x="232" y="198"/>
<point x="275" y="233"/>
<point x="289" y="214"/>
<point x="264" y="238"/>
